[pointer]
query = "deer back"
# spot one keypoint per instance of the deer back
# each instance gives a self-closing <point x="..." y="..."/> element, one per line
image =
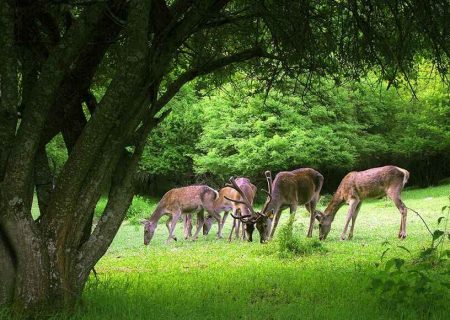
<point x="188" y="198"/>
<point x="296" y="187"/>
<point x="373" y="182"/>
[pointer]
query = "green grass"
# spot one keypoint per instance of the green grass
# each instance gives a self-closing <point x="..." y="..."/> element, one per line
<point x="214" y="279"/>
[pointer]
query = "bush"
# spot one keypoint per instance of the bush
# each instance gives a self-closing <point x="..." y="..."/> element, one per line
<point x="139" y="209"/>
<point x="421" y="284"/>
<point x="292" y="241"/>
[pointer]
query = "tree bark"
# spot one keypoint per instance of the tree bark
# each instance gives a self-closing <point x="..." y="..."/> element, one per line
<point x="8" y="272"/>
<point x="8" y="84"/>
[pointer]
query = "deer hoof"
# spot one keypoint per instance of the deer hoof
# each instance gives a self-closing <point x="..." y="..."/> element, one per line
<point x="350" y="237"/>
<point x="402" y="234"/>
<point x="343" y="237"/>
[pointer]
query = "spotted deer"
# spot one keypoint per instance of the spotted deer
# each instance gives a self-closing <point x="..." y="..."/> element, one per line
<point x="187" y="200"/>
<point x="223" y="203"/>
<point x="357" y="186"/>
<point x="288" y="190"/>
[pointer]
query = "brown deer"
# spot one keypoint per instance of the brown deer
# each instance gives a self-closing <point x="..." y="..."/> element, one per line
<point x="288" y="190"/>
<point x="357" y="186"/>
<point x="186" y="200"/>
<point x="223" y="203"/>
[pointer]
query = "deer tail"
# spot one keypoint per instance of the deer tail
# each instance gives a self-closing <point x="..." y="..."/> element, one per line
<point x="319" y="182"/>
<point x="216" y="194"/>
<point x="405" y="175"/>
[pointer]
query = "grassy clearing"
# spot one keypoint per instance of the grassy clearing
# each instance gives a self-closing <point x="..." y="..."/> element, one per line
<point x="214" y="279"/>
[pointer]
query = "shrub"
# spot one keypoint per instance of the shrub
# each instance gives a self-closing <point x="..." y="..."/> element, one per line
<point x="421" y="284"/>
<point x="139" y="209"/>
<point x="292" y="241"/>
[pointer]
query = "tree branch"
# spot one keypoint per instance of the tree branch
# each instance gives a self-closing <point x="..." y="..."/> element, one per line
<point x="209" y="67"/>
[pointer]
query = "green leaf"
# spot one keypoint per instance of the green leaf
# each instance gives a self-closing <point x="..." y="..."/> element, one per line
<point x="404" y="248"/>
<point x="440" y="218"/>
<point x="399" y="263"/>
<point x="437" y="234"/>
<point x="389" y="264"/>
<point x="384" y="253"/>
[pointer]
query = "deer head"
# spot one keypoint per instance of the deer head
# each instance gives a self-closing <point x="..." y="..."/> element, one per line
<point x="262" y="220"/>
<point x="149" y="230"/>
<point x="324" y="224"/>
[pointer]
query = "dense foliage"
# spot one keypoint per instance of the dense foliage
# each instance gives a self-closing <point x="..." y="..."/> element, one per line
<point x="239" y="130"/>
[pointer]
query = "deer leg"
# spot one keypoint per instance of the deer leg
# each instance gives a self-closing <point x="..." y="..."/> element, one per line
<point x="168" y="222"/>
<point x="277" y="218"/>
<point x="187" y="226"/>
<point x="232" y="229"/>
<point x="238" y="229"/>
<point x="173" y="223"/>
<point x="353" y="204"/>
<point x="200" y="222"/>
<point x="311" y="207"/>
<point x="224" y="218"/>
<point x="244" y="233"/>
<point x="219" y="223"/>
<point x="404" y="212"/>
<point x="394" y="194"/>
<point x="355" y="214"/>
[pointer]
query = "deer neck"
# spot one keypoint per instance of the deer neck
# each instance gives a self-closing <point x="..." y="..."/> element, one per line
<point x="218" y="204"/>
<point x="274" y="205"/>
<point x="336" y="202"/>
<point x="157" y="214"/>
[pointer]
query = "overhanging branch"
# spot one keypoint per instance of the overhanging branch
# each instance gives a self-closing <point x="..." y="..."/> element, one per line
<point x="209" y="67"/>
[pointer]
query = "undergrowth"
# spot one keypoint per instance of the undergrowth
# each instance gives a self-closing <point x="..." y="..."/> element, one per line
<point x="292" y="241"/>
<point x="420" y="282"/>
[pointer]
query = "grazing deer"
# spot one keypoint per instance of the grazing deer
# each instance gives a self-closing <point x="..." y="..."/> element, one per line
<point x="223" y="203"/>
<point x="288" y="190"/>
<point x="186" y="200"/>
<point x="357" y="186"/>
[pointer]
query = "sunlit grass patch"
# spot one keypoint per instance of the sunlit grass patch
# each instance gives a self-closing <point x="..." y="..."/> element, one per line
<point x="214" y="279"/>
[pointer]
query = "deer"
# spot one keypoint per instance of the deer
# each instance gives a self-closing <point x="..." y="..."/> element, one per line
<point x="184" y="200"/>
<point x="288" y="190"/>
<point x="223" y="203"/>
<point x="357" y="186"/>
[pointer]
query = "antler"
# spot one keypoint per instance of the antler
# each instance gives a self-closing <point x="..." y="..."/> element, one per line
<point x="244" y="218"/>
<point x="243" y="196"/>
<point x="268" y="175"/>
<point x="248" y="217"/>
<point x="268" y="194"/>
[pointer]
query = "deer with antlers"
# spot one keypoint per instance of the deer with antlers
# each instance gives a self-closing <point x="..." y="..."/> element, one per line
<point x="357" y="186"/>
<point x="185" y="200"/>
<point x="223" y="203"/>
<point x="288" y="190"/>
